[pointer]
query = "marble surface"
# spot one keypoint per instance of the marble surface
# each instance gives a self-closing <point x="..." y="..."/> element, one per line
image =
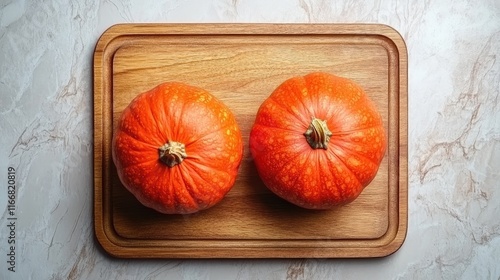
<point x="454" y="137"/>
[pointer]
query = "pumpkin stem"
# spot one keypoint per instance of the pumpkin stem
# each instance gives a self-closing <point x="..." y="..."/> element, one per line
<point x="172" y="153"/>
<point x="317" y="134"/>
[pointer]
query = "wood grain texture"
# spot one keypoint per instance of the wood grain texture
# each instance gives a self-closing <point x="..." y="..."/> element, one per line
<point x="242" y="64"/>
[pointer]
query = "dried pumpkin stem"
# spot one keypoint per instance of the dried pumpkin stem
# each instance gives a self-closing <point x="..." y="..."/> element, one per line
<point x="172" y="153"/>
<point x="317" y="134"/>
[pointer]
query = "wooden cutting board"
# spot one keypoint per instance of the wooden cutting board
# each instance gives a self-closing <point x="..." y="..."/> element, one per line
<point x="241" y="64"/>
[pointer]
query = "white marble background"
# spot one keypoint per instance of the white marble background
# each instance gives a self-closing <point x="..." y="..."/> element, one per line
<point x="454" y="137"/>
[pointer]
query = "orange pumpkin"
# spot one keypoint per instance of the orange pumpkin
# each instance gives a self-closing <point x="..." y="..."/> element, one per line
<point x="318" y="141"/>
<point x="177" y="149"/>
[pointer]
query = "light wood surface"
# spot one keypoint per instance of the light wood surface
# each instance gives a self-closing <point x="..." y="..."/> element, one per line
<point x="241" y="64"/>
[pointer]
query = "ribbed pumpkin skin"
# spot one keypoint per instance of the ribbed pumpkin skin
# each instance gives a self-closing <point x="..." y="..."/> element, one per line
<point x="188" y="115"/>
<point x="318" y="178"/>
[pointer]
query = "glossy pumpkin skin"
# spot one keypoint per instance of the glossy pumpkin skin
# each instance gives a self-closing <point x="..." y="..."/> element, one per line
<point x="325" y="176"/>
<point x="202" y="173"/>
